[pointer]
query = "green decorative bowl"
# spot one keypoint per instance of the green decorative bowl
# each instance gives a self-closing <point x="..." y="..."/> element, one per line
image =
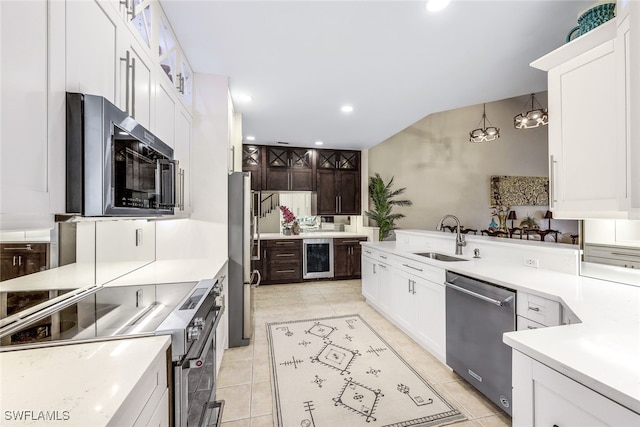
<point x="592" y="18"/>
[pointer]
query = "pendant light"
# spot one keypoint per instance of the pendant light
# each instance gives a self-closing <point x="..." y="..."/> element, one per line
<point x="533" y="118"/>
<point x="484" y="133"/>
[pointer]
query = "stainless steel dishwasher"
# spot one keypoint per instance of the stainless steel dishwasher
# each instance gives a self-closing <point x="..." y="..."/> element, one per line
<point x="477" y="314"/>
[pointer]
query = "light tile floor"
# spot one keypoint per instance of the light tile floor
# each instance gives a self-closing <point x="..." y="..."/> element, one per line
<point x="244" y="379"/>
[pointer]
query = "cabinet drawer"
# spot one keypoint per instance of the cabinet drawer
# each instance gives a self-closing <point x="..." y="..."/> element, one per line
<point x="428" y="272"/>
<point x="285" y="271"/>
<point x="285" y="243"/>
<point x="284" y="254"/>
<point x="523" y="324"/>
<point x="348" y="241"/>
<point x="539" y="309"/>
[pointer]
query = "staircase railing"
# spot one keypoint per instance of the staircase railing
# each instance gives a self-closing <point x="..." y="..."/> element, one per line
<point x="269" y="204"/>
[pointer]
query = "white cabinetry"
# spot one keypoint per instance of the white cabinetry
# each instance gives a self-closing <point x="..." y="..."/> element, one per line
<point x="92" y="51"/>
<point x="594" y="151"/>
<point x="535" y="312"/>
<point x="410" y="294"/>
<point x="370" y="278"/>
<point x="183" y="154"/>
<point x="545" y="397"/>
<point x="25" y="130"/>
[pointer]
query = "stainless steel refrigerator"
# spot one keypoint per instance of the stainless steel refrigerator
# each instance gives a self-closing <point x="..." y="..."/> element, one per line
<point x="243" y="241"/>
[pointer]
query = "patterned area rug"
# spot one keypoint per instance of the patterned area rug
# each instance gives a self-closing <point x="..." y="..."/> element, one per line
<point x="337" y="371"/>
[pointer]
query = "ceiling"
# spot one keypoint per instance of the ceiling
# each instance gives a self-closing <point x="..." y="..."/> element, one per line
<point x="393" y="61"/>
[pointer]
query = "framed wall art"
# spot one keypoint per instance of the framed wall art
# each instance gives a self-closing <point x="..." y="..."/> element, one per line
<point x="519" y="190"/>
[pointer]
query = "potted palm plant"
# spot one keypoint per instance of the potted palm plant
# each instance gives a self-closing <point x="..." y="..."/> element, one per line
<point x="383" y="198"/>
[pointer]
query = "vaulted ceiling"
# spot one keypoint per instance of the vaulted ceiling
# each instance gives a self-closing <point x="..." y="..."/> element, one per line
<point x="393" y="61"/>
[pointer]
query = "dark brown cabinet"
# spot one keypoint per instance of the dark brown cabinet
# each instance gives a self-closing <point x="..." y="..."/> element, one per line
<point x="289" y="169"/>
<point x="281" y="261"/>
<point x="338" y="182"/>
<point x="253" y="161"/>
<point x="347" y="258"/>
<point x="19" y="259"/>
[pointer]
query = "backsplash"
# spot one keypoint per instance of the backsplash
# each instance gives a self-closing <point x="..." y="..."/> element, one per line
<point x="560" y="258"/>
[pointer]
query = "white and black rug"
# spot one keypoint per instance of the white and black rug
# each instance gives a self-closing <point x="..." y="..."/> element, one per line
<point x="337" y="371"/>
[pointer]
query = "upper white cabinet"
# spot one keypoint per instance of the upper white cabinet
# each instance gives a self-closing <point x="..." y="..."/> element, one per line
<point x="591" y="144"/>
<point x="24" y="126"/>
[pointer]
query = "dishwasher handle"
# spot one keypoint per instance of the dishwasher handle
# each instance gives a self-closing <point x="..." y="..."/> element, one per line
<point x="480" y="296"/>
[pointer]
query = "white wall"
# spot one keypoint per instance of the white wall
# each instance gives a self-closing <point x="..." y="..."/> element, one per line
<point x="446" y="174"/>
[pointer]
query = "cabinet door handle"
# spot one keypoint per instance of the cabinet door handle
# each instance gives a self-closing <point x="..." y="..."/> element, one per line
<point x="412" y="267"/>
<point x="285" y="243"/>
<point x="552" y="181"/>
<point x="531" y="327"/>
<point x="374" y="269"/>
<point x="340" y="198"/>
<point x="409" y="280"/>
<point x="337" y="210"/>
<point x="369" y="252"/>
<point x="14" y="260"/>
<point x="414" y="287"/>
<point x="22" y="248"/>
<point x="179" y="84"/>
<point x="127" y="61"/>
<point x="285" y="255"/>
<point x="285" y="271"/>
<point x="128" y="7"/>
<point x="534" y="308"/>
<point x="383" y="266"/>
<point x="133" y="87"/>
<point x="383" y="257"/>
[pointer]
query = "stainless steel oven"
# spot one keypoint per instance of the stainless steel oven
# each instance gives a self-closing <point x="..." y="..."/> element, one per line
<point x="317" y="258"/>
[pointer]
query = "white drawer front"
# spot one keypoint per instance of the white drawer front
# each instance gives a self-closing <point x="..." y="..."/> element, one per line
<point x="523" y="324"/>
<point x="538" y="309"/>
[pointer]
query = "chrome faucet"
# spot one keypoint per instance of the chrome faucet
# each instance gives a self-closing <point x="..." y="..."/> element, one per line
<point x="460" y="242"/>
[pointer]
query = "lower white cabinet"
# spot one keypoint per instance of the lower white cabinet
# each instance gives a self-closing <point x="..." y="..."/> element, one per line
<point x="410" y="294"/>
<point x="370" y="278"/>
<point x="545" y="397"/>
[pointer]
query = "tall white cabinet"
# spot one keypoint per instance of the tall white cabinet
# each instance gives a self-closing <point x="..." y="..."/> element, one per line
<point x="23" y="125"/>
<point x="594" y="149"/>
<point x="98" y="47"/>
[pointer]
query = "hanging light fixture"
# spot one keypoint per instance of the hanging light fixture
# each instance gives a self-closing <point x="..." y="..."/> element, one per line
<point x="484" y="133"/>
<point x="533" y="118"/>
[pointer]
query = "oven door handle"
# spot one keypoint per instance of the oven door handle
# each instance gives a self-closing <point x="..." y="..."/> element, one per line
<point x="198" y="360"/>
<point x="480" y="296"/>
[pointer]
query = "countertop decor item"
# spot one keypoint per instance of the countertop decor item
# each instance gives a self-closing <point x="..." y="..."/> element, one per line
<point x="512" y="216"/>
<point x="383" y="201"/>
<point x="337" y="371"/>
<point x="288" y="221"/>
<point x="592" y="18"/>
<point x="484" y="133"/>
<point x="532" y="118"/>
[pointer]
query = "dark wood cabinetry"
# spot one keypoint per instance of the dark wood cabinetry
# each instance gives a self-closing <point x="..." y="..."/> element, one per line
<point x="347" y="258"/>
<point x="19" y="259"/>
<point x="338" y="182"/>
<point x="333" y="174"/>
<point x="253" y="161"/>
<point x="289" y="169"/>
<point x="281" y="261"/>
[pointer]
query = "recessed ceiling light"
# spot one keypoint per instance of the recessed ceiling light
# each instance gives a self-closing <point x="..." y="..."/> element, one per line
<point x="346" y="108"/>
<point x="436" y="5"/>
<point x="319" y="143"/>
<point x="244" y="98"/>
<point x="251" y="138"/>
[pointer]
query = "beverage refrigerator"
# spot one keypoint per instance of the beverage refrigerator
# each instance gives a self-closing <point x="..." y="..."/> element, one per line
<point x="244" y="246"/>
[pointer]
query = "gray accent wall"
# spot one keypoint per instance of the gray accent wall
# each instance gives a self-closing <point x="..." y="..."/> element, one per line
<point x="446" y="174"/>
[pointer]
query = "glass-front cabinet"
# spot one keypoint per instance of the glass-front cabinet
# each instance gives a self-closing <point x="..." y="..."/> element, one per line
<point x="142" y="20"/>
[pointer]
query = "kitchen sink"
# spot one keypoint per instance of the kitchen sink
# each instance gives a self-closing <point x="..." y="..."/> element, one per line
<point x="440" y="257"/>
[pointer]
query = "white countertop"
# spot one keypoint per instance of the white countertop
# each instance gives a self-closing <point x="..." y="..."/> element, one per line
<point x="85" y="382"/>
<point x="602" y="352"/>
<point x="312" y="235"/>
<point x="172" y="271"/>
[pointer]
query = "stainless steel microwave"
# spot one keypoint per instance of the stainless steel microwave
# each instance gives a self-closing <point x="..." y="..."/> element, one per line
<point x="115" y="167"/>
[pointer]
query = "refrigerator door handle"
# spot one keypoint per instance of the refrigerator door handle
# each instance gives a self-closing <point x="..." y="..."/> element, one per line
<point x="254" y="274"/>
